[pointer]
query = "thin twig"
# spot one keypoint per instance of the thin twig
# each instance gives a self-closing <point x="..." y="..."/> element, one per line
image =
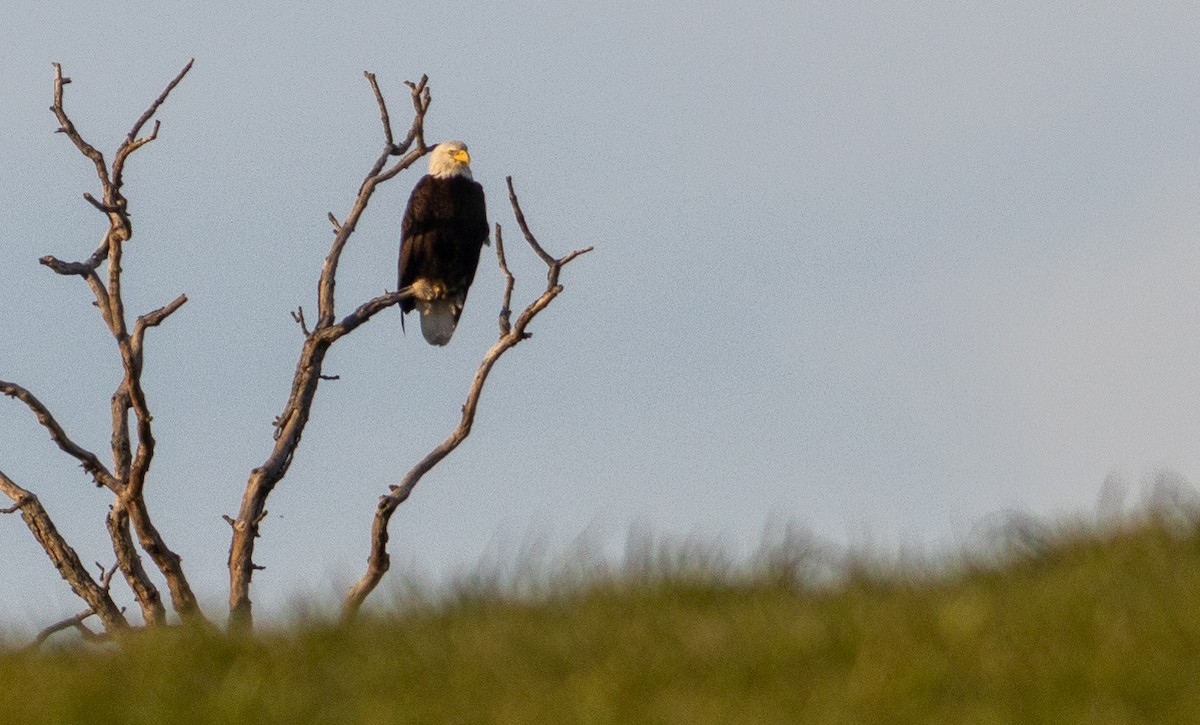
<point x="68" y="128"/>
<point x="153" y="319"/>
<point x="509" y="282"/>
<point x="75" y="621"/>
<point x="138" y="143"/>
<point x="298" y="316"/>
<point x="551" y="262"/>
<point x="106" y="208"/>
<point x="383" y="112"/>
<point x="132" y="142"/>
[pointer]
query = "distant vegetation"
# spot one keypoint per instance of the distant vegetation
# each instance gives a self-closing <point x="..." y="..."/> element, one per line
<point x="1095" y="622"/>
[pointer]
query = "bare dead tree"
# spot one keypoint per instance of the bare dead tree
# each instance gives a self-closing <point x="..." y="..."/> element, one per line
<point x="289" y="426"/>
<point x="378" y="561"/>
<point x="131" y="463"/>
<point x="127" y="479"/>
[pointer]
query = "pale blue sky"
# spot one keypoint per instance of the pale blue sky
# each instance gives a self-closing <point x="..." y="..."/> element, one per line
<point x="880" y="269"/>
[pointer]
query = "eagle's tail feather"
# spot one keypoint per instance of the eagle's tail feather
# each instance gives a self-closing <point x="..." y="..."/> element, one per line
<point x="438" y="320"/>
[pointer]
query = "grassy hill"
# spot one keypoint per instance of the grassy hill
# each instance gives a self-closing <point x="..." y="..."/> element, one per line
<point x="1097" y="623"/>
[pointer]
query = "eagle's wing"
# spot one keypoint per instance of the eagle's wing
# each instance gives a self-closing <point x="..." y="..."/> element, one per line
<point x="478" y="222"/>
<point x="473" y="234"/>
<point x="416" y="222"/>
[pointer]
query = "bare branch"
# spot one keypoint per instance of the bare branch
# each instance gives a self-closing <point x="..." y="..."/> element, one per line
<point x="72" y="622"/>
<point x="152" y="319"/>
<point x="86" y="458"/>
<point x="155" y="318"/>
<point x="83" y="268"/>
<point x="106" y="208"/>
<point x="365" y="312"/>
<point x="327" y="284"/>
<point x="405" y="162"/>
<point x="383" y="112"/>
<point x="68" y="128"/>
<point x="378" y="561"/>
<point x="106" y="575"/>
<point x="183" y="600"/>
<point x="289" y="425"/>
<point x="509" y="282"/>
<point x="132" y="142"/>
<point x="298" y="316"/>
<point x="551" y="262"/>
<point x="137" y="126"/>
<point x="75" y="621"/>
<point x="420" y="101"/>
<point x="137" y="144"/>
<point x="570" y="257"/>
<point x="63" y="556"/>
<point x="131" y="500"/>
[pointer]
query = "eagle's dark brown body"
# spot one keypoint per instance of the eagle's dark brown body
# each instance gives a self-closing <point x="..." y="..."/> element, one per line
<point x="445" y="226"/>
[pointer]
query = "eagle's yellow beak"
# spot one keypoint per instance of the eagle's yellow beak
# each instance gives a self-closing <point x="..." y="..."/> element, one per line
<point x="461" y="156"/>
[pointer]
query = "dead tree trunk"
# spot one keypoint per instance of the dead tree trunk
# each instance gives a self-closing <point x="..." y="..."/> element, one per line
<point x="132" y="450"/>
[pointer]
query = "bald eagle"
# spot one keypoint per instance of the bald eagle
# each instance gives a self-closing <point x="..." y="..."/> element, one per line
<point x="445" y="226"/>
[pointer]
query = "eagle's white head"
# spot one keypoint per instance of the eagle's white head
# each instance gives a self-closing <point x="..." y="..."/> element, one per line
<point x="450" y="158"/>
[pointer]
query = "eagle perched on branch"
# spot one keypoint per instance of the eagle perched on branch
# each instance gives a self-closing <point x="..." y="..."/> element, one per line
<point x="445" y="226"/>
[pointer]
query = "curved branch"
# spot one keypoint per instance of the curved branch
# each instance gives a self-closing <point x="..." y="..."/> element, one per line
<point x="509" y="282"/>
<point x="551" y="262"/>
<point x="378" y="561"/>
<point x="86" y="458"/>
<point x="75" y="621"/>
<point x="67" y="127"/>
<point x="152" y="319"/>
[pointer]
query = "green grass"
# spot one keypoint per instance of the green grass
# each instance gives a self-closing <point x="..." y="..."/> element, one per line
<point x="1071" y="624"/>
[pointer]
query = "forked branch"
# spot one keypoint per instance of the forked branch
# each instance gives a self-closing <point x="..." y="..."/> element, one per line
<point x="290" y="424"/>
<point x="378" y="561"/>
